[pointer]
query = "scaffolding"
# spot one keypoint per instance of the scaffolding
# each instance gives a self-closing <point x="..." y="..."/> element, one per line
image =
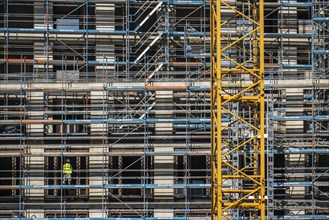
<point x="122" y="89"/>
<point x="297" y="121"/>
<point x="117" y="87"/>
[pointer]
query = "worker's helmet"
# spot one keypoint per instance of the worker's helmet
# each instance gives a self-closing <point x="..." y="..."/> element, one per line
<point x="68" y="160"/>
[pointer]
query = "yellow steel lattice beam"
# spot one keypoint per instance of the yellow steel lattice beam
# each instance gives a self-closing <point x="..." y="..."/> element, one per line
<point x="238" y="154"/>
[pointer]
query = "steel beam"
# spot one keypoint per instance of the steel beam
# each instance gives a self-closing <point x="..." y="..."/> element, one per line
<point x="245" y="178"/>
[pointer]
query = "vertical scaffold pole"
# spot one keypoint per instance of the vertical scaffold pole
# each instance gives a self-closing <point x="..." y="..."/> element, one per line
<point x="237" y="94"/>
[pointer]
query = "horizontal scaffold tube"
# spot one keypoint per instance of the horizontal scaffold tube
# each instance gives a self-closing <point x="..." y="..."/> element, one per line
<point x="141" y="153"/>
<point x="301" y="118"/>
<point x="159" y="120"/>
<point x="175" y="88"/>
<point x="301" y="217"/>
<point x="120" y="121"/>
<point x="149" y="186"/>
<point x="133" y="2"/>
<point x="288" y="35"/>
<point x="297" y="151"/>
<point x="147" y="218"/>
<point x="86" y="154"/>
<point x="296" y="66"/>
<point x="90" y="32"/>
<point x="321" y="19"/>
<point x="301" y="151"/>
<point x="282" y="184"/>
<point x="101" y="62"/>
<point x="296" y="4"/>
<point x="110" y="186"/>
<point x="176" y="218"/>
<point x="96" y="86"/>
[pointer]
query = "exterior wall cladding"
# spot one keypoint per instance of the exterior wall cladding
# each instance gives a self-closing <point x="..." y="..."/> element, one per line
<point x="121" y="88"/>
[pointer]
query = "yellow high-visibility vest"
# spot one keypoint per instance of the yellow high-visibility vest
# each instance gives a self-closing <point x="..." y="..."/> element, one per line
<point x="67" y="168"/>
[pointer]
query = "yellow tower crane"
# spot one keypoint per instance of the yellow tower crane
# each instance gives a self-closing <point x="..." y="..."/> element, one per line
<point x="237" y="109"/>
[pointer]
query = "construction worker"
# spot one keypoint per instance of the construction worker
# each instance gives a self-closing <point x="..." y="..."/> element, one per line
<point x="67" y="171"/>
<point x="188" y="49"/>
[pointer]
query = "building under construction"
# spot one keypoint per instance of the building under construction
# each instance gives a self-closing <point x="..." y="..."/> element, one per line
<point x="122" y="88"/>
